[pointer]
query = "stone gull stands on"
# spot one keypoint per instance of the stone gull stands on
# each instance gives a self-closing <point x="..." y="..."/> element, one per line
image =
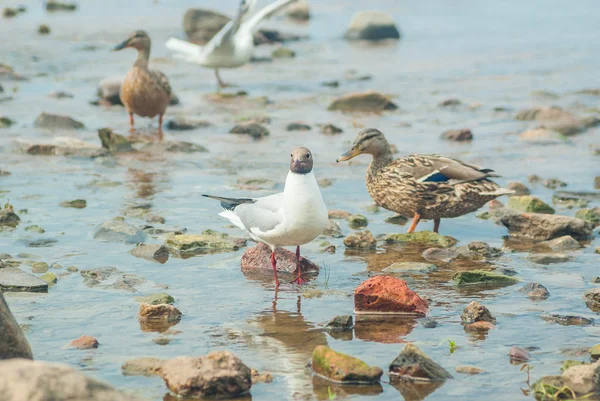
<point x="233" y="45"/>
<point x="293" y="217"/>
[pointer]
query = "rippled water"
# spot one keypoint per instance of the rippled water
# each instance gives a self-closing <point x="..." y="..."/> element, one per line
<point x="488" y="54"/>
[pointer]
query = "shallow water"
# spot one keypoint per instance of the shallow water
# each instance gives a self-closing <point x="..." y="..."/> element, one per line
<point x="492" y="54"/>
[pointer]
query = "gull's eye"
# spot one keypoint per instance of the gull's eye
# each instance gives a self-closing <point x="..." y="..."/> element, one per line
<point x="291" y="155"/>
<point x="308" y="155"/>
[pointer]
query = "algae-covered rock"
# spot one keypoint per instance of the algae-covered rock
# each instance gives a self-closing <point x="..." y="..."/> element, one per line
<point x="156" y="299"/>
<point x="412" y="363"/>
<point x="426" y="237"/>
<point x="49" y="278"/>
<point x="549" y="385"/>
<point x="283" y="52"/>
<point x="570" y="362"/>
<point x="342" y="368"/>
<point x="591" y="215"/>
<point x="357" y="221"/>
<point x="114" y="142"/>
<point x="583" y="379"/>
<point x="76" y="204"/>
<point x="194" y="244"/>
<point x="35" y="228"/>
<point x="39" y="267"/>
<point x="481" y="277"/>
<point x="528" y="203"/>
<point x="369" y="101"/>
<point x="8" y="217"/>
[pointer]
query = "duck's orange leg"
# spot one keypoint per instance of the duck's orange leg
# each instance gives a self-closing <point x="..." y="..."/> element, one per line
<point x="414" y="223"/>
<point x="436" y="225"/>
<point x="131" y="129"/>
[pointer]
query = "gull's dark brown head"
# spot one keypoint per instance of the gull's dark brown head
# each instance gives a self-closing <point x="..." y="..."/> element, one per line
<point x="370" y="141"/>
<point x="138" y="40"/>
<point x="302" y="161"/>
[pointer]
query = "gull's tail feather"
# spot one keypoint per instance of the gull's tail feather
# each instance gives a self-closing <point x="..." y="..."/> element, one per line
<point x="233" y="218"/>
<point x="230" y="203"/>
<point x="186" y="50"/>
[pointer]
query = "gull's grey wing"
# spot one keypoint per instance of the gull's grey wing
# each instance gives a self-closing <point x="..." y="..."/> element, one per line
<point x="262" y="215"/>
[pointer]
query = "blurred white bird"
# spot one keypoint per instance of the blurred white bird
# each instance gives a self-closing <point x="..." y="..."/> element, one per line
<point x="233" y="45"/>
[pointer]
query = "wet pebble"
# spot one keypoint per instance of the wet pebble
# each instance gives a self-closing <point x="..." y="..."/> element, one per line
<point x="330" y="129"/>
<point x="84" y="342"/>
<point x="298" y="127"/>
<point x="428" y="323"/>
<point x="161" y="340"/>
<point x="8" y="217"/>
<point x="567" y="320"/>
<point x="154" y="252"/>
<point x="528" y="203"/>
<point x="283" y="52"/>
<point x="545" y="226"/>
<point x="44" y="29"/>
<point x="476" y="312"/>
<point x="338" y="214"/>
<point x="519" y="188"/>
<point x="256" y="262"/>
<point x="325" y="182"/>
<point x="369" y="101"/>
<point x="518" y="355"/>
<point x="357" y="221"/>
<point x="49" y="278"/>
<point x="56" y="122"/>
<point x="52" y="5"/>
<point x="117" y="230"/>
<point x="412" y="362"/>
<point x="597" y="182"/>
<point x="481" y="277"/>
<point x="409" y="267"/>
<point x="535" y="291"/>
<point x="185" y="124"/>
<point x="298" y="10"/>
<point x="360" y="240"/>
<point x="458" y="135"/>
<point x="591" y="215"/>
<point x="61" y="95"/>
<point x="592" y="299"/>
<point x="332" y="84"/>
<point x="35" y="229"/>
<point x="156" y="299"/>
<point x="72" y="269"/>
<point x="264" y="377"/>
<point x="480" y="326"/>
<point x="553" y="183"/>
<point x="400" y="220"/>
<point x="158" y="317"/>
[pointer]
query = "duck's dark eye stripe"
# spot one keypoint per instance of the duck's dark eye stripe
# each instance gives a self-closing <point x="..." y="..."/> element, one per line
<point x="368" y="137"/>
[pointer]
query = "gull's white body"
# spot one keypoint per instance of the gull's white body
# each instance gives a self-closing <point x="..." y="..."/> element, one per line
<point x="293" y="217"/>
<point x="232" y="46"/>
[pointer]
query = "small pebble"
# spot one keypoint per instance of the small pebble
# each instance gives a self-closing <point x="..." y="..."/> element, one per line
<point x="84" y="342"/>
<point x="469" y="370"/>
<point x="518" y="354"/>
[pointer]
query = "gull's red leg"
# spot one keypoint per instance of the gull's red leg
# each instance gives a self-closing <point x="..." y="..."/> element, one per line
<point x="274" y="264"/>
<point x="299" y="279"/>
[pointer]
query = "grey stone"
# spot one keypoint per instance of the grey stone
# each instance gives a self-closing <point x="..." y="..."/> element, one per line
<point x="535" y="291"/>
<point x="412" y="363"/>
<point x="372" y="25"/>
<point x="13" y="343"/>
<point x="15" y="279"/>
<point x="564" y="243"/>
<point x="439" y="254"/>
<point x="476" y="312"/>
<point x="548" y="258"/>
<point x="119" y="231"/>
<point x="154" y="252"/>
<point x="56" y="122"/>
<point x="546" y="226"/>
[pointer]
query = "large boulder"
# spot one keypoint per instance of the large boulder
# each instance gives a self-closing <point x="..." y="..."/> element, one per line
<point x="583" y="379"/>
<point x="369" y="101"/>
<point x="372" y="25"/>
<point x="13" y="343"/>
<point x="414" y="364"/>
<point x="546" y="226"/>
<point x="217" y="375"/>
<point x="342" y="368"/>
<point x="381" y="295"/>
<point x="22" y="379"/>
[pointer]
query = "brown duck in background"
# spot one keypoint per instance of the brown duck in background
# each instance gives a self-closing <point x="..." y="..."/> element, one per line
<point x="144" y="92"/>
<point x="423" y="186"/>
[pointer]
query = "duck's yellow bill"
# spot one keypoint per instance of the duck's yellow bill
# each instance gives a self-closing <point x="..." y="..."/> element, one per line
<point x="349" y="155"/>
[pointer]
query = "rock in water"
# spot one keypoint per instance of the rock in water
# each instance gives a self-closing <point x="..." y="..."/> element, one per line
<point x="14" y="279"/>
<point x="340" y="323"/>
<point x="158" y="317"/>
<point x="425" y="237"/>
<point x="118" y="231"/>
<point x="413" y="364"/>
<point x="13" y="343"/>
<point x="458" y="135"/>
<point x="545" y="227"/>
<point x="548" y="258"/>
<point x="156" y="299"/>
<point x="372" y="25"/>
<point x="218" y="375"/>
<point x="583" y="379"/>
<point x="256" y="262"/>
<point x="342" y="368"/>
<point x="298" y="10"/>
<point x="283" y="52"/>
<point x="184" y="124"/>
<point x="142" y="367"/>
<point x="256" y="131"/>
<point x="154" y="252"/>
<point x="22" y="379"/>
<point x="388" y="295"/>
<point x="519" y="188"/>
<point x="77" y="203"/>
<point x="84" y="342"/>
<point x="357" y="221"/>
<point x="518" y="355"/>
<point x="476" y="312"/>
<point x="369" y="101"/>
<point x="592" y="299"/>
<point x="8" y="217"/>
<point x="535" y="291"/>
<point x="360" y="240"/>
<point x="114" y="142"/>
<point x="557" y="119"/>
<point x="439" y="254"/>
<point x="55" y="122"/>
<point x="481" y="277"/>
<point x="564" y="243"/>
<point x="186" y="245"/>
<point x="530" y="204"/>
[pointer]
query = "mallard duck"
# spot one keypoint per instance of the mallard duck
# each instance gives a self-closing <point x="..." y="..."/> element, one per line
<point x="233" y="45"/>
<point x="144" y="92"/>
<point x="423" y="186"/>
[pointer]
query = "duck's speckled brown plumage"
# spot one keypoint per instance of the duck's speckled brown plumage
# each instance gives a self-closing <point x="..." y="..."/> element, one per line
<point x="423" y="186"/>
<point x="144" y="92"/>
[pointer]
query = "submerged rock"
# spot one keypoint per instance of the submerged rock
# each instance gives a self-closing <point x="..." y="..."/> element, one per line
<point x="360" y="240"/>
<point x="545" y="227"/>
<point x="439" y="255"/>
<point x="469" y="370"/>
<point x="476" y="312"/>
<point x="118" y="231"/>
<point x="357" y="221"/>
<point x="372" y="25"/>
<point x="8" y="217"/>
<point x="158" y="317"/>
<point x="49" y="278"/>
<point x="518" y="355"/>
<point x="283" y="52"/>
<point x="592" y="299"/>
<point x="298" y="10"/>
<point x="110" y="277"/>
<point x="413" y="364"/>
<point x="548" y="258"/>
<point x="542" y="135"/>
<point x="84" y="342"/>
<point x="388" y="295"/>
<point x="256" y="262"/>
<point x="13" y="343"/>
<point x="256" y="131"/>
<point x="535" y="291"/>
<point x="333" y="229"/>
<point x="519" y="188"/>
<point x="77" y="203"/>
<point x="557" y="119"/>
<point x="15" y="279"/>
<point x="400" y="220"/>
<point x="554" y="183"/>
<point x="298" y="127"/>
<point x="338" y="214"/>
<point x="39" y="267"/>
<point x="425" y="237"/>
<point x="342" y="368"/>
<point x="564" y="243"/>
<point x="591" y="215"/>
<point x="56" y="122"/>
<point x="340" y="323"/>
<point x="369" y="101"/>
<point x="22" y="379"/>
<point x="142" y="367"/>
<point x="567" y="320"/>
<point x="154" y="252"/>
<point x="458" y="135"/>
<point x="115" y="143"/>
<point x="217" y="375"/>
<point x="481" y="277"/>
<point x="409" y="267"/>
<point x="330" y="129"/>
<point x="186" y="245"/>
<point x="52" y="5"/>
<point x="528" y="203"/>
<point x="156" y="299"/>
<point x="185" y="124"/>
